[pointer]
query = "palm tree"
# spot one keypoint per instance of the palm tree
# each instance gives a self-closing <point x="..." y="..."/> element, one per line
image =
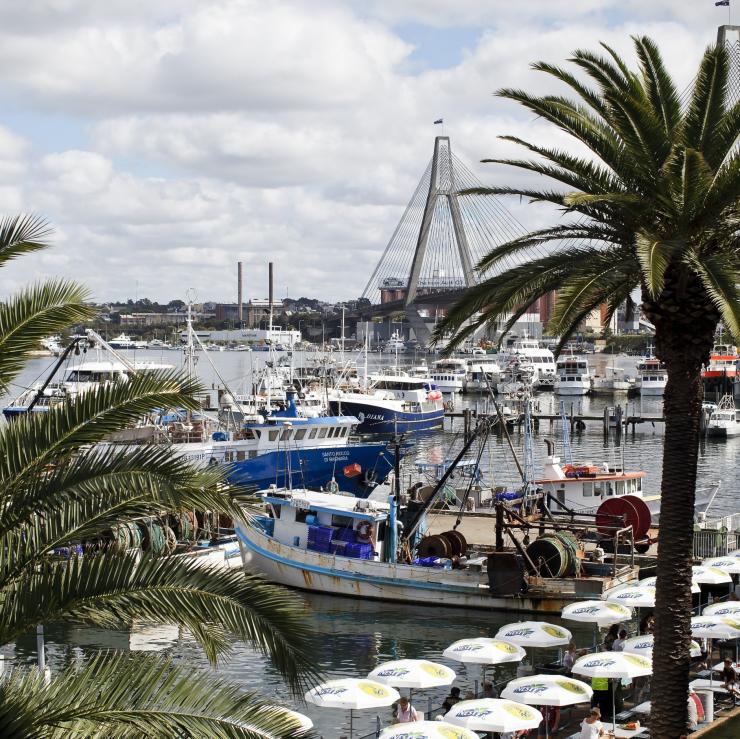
<point x="655" y="200"/>
<point x="59" y="485"/>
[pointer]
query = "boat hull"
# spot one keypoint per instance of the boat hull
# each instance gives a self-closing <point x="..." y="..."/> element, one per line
<point x="378" y="420"/>
<point x="316" y="468"/>
<point x="346" y="576"/>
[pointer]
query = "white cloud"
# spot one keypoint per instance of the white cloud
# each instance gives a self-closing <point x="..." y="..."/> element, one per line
<point x="285" y="130"/>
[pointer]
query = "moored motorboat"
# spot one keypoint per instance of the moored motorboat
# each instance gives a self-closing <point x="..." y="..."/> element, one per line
<point x="652" y="377"/>
<point x="724" y="420"/>
<point x="573" y="376"/>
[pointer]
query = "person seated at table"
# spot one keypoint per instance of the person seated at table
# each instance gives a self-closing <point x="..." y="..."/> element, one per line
<point x="488" y="691"/>
<point x="618" y="645"/>
<point x="570" y="656"/>
<point x="696" y="711"/>
<point x="591" y="726"/>
<point x="405" y="713"/>
<point x="730" y="677"/>
<point x="451" y="699"/>
<point x="550" y="721"/>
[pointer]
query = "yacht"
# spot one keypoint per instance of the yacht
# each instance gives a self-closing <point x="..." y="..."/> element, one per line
<point x="651" y="377"/>
<point x="420" y="370"/>
<point x="573" y="376"/>
<point x="724" y="420"/>
<point x="395" y="345"/>
<point x="613" y="381"/>
<point x="529" y="351"/>
<point x="124" y="341"/>
<point x="391" y="404"/>
<point x="481" y="375"/>
<point x="78" y="379"/>
<point x="449" y="375"/>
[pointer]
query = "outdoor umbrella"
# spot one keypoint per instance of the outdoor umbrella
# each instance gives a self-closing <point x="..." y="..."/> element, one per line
<point x="427" y="730"/>
<point x="547" y="690"/>
<point x="642" y="597"/>
<point x="710" y="575"/>
<point x="613" y="665"/>
<point x="652" y="580"/>
<point x="723" y="608"/>
<point x="730" y="565"/>
<point x="715" y="627"/>
<point x="598" y="612"/>
<point x="353" y="695"/>
<point x="534" y="634"/>
<point x="644" y="645"/>
<point x="481" y="650"/>
<point x="493" y="714"/>
<point x="413" y="674"/>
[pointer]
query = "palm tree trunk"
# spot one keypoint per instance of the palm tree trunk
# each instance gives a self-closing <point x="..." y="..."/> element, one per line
<point x="682" y="408"/>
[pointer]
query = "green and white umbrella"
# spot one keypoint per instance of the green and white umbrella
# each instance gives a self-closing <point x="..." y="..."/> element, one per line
<point x="613" y="665"/>
<point x="710" y="575"/>
<point x="493" y="714"/>
<point x="730" y="565"/>
<point x="547" y="690"/>
<point x="638" y="597"/>
<point x="353" y="695"/>
<point x="652" y="580"/>
<point x="600" y="612"/>
<point x="715" y="627"/>
<point x="723" y="608"/>
<point x="427" y="730"/>
<point x="534" y="634"/>
<point x="644" y="645"/>
<point x="484" y="651"/>
<point x="414" y="674"/>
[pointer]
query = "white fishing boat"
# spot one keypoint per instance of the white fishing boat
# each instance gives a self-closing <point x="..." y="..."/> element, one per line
<point x="529" y="352"/>
<point x="613" y="381"/>
<point x="573" y="376"/>
<point x="395" y="344"/>
<point x="724" y="420"/>
<point x="449" y="375"/>
<point x="336" y="544"/>
<point x="652" y="377"/>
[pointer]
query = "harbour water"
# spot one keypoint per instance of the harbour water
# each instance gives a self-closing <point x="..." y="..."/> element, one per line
<point x="350" y="637"/>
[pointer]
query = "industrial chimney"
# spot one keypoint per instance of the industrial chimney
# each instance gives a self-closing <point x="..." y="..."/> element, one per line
<point x="239" y="300"/>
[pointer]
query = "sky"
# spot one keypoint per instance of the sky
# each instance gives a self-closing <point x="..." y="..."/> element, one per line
<point x="166" y="139"/>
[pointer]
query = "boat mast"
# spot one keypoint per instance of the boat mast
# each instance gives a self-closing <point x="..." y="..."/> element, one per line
<point x="342" y="356"/>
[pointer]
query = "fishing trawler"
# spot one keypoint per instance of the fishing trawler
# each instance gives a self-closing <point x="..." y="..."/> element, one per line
<point x="724" y="420"/>
<point x="542" y="360"/>
<point x="449" y="375"/>
<point x="720" y="374"/>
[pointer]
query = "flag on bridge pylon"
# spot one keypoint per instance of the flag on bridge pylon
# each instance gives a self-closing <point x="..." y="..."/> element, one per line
<point x="726" y="3"/>
<point x="441" y="120"/>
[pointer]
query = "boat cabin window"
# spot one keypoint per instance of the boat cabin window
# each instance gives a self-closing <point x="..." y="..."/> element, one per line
<point x="322" y="433"/>
<point x="275" y="510"/>
<point x="273" y="434"/>
<point x="609" y="489"/>
<point x="343" y="522"/>
<point x="619" y="485"/>
<point x="588" y="489"/>
<point x="301" y="514"/>
<point x="312" y="433"/>
<point x="598" y="490"/>
<point x="240" y="456"/>
<point x="250" y="434"/>
<point x="285" y="435"/>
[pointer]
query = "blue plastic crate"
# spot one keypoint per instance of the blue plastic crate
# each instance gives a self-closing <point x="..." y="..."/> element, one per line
<point x="346" y="534"/>
<point x="320" y="534"/>
<point x="318" y="546"/>
<point x="360" y="551"/>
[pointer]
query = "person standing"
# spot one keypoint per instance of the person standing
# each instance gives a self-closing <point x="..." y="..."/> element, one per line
<point x="618" y="645"/>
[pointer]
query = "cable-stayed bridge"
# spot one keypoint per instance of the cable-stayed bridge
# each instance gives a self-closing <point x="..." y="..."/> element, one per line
<point x="433" y="251"/>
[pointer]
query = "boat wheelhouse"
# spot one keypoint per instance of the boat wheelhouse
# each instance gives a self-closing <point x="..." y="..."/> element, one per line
<point x="482" y="375"/>
<point x="721" y="372"/>
<point x="652" y="377"/>
<point x="573" y="376"/>
<point x="542" y="360"/>
<point x="449" y="375"/>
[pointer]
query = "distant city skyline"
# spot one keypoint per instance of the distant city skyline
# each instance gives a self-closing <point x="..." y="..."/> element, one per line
<point x="166" y="140"/>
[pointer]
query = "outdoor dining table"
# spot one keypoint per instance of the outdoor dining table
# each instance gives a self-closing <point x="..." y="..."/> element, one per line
<point x="619" y="733"/>
<point x="721" y="666"/>
<point x="703" y="684"/>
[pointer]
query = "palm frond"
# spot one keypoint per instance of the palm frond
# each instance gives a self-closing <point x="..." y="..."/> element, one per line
<point x="124" y="695"/>
<point x="31" y="443"/>
<point x="660" y="88"/>
<point x="110" y="589"/>
<point x="655" y="254"/>
<point x="22" y="234"/>
<point x="707" y="104"/>
<point x="720" y="275"/>
<point x="30" y="315"/>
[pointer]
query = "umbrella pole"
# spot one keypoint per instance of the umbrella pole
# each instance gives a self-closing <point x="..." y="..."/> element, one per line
<point x="614" y="708"/>
<point x="350" y="723"/>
